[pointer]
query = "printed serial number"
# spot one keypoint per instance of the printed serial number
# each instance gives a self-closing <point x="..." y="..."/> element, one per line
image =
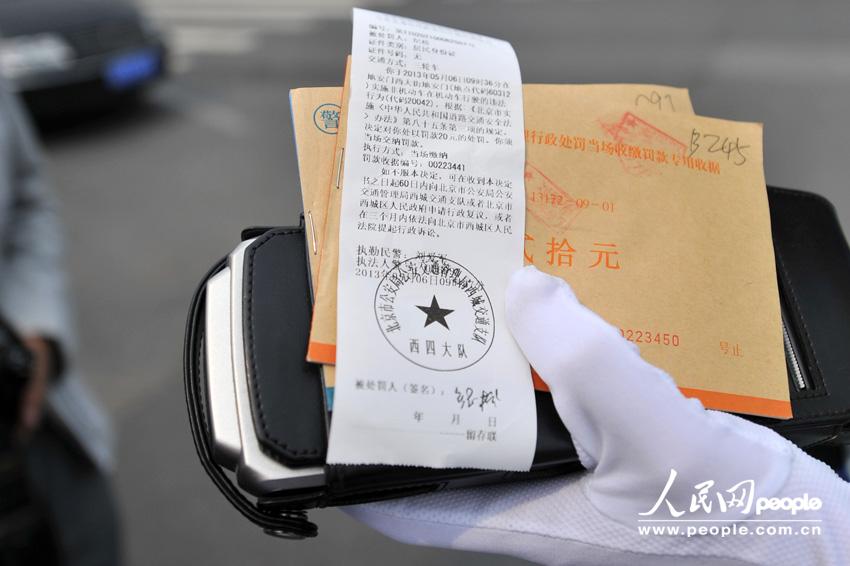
<point x="447" y="165"/>
<point x="546" y="198"/>
<point x="649" y="337"/>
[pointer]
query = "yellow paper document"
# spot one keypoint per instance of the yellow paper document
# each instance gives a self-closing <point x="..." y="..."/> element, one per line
<point x="322" y="347"/>
<point x="660" y="224"/>
<point x="315" y="120"/>
<point x="322" y="344"/>
<point x="659" y="221"/>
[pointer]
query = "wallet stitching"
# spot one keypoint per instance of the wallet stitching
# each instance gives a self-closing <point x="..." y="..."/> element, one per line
<point x="255" y="390"/>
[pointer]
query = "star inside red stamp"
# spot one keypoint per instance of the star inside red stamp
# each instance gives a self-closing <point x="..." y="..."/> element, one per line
<point x="435" y="313"/>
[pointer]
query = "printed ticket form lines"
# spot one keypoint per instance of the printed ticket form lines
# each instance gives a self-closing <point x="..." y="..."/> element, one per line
<point x="427" y="372"/>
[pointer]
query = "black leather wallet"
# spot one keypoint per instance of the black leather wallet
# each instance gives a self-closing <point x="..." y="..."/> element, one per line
<point x="289" y="420"/>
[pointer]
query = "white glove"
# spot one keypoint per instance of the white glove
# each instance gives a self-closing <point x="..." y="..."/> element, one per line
<point x="631" y="427"/>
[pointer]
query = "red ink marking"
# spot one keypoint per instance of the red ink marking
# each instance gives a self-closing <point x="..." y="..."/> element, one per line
<point x="558" y="215"/>
<point x="646" y="145"/>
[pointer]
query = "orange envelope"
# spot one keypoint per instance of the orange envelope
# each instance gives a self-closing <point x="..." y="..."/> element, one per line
<point x="315" y="120"/>
<point x="660" y="224"/>
<point x="322" y="347"/>
<point x="317" y="169"/>
<point x="659" y="221"/>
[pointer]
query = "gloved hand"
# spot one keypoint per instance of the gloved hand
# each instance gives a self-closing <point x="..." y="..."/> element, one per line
<point x="631" y="427"/>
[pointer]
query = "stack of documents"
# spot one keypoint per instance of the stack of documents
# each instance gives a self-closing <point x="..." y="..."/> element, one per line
<point x="657" y="218"/>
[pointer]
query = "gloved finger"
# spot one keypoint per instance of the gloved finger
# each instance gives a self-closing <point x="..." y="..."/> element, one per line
<point x="629" y="421"/>
<point x="511" y="518"/>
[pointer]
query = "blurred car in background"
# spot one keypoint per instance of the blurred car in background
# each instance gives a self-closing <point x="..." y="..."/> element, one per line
<point x="63" y="55"/>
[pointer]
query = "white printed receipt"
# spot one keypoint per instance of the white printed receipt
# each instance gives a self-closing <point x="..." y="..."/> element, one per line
<point x="432" y="227"/>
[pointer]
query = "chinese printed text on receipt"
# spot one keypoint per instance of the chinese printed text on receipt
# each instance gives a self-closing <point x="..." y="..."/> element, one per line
<point x="427" y="372"/>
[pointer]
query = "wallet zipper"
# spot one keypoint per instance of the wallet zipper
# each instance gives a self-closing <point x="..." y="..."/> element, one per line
<point x="792" y="359"/>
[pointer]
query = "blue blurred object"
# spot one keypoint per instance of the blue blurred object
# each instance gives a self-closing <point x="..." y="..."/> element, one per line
<point x="132" y="69"/>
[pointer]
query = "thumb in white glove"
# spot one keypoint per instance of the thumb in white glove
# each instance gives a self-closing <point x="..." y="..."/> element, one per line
<point x="650" y="452"/>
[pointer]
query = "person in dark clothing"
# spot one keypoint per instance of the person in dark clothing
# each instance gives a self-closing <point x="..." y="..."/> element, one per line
<point x="64" y="437"/>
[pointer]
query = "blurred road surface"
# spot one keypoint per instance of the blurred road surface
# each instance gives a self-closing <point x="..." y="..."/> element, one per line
<point x="152" y="197"/>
